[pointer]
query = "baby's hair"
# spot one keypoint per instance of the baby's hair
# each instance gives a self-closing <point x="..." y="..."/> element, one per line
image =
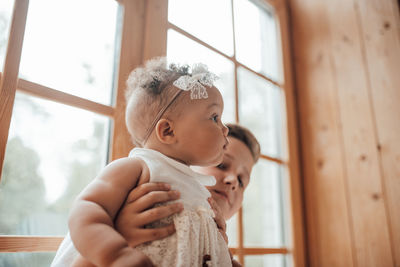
<point x="148" y="91"/>
<point x="154" y="76"/>
<point x="245" y="136"/>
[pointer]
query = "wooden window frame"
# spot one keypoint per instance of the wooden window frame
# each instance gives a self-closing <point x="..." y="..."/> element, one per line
<point x="144" y="36"/>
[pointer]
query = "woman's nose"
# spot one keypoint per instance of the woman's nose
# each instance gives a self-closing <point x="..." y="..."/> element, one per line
<point x="231" y="181"/>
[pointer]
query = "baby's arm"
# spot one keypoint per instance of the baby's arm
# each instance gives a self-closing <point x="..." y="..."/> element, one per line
<point x="91" y="219"/>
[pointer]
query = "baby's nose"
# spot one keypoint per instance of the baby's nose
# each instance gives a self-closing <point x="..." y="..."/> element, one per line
<point x="225" y="130"/>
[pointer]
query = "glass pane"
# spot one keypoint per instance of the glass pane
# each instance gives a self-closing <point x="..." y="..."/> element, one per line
<point x="260" y="109"/>
<point x="263" y="207"/>
<point x="270" y="260"/>
<point x="52" y="152"/>
<point x="231" y="231"/>
<point x="70" y="46"/>
<point x="257" y="42"/>
<point x="39" y="259"/>
<point x="208" y="20"/>
<point x="185" y="51"/>
<point x="6" y="7"/>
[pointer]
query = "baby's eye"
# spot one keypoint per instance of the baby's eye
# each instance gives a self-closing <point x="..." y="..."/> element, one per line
<point x="215" y="118"/>
<point x="221" y="166"/>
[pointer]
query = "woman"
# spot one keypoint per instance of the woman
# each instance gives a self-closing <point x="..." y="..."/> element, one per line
<point x="232" y="177"/>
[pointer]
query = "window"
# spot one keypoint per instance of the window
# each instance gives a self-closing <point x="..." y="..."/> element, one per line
<point x="81" y="93"/>
<point x="61" y="116"/>
<point x="241" y="42"/>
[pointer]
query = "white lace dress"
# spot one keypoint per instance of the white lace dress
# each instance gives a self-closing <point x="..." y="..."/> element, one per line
<point x="196" y="234"/>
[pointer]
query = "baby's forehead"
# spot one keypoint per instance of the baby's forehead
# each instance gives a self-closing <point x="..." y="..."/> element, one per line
<point x="214" y="96"/>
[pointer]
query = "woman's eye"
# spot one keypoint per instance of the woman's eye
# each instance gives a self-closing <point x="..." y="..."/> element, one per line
<point x="240" y="181"/>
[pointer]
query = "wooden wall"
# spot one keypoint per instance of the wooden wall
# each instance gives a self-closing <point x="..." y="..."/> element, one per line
<point x="347" y="76"/>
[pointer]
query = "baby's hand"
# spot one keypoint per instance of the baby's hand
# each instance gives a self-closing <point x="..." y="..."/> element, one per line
<point x="219" y="220"/>
<point x="138" y="211"/>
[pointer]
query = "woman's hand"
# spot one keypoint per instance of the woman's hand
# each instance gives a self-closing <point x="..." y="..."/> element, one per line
<point x="138" y="211"/>
<point x="221" y="224"/>
<point x="219" y="219"/>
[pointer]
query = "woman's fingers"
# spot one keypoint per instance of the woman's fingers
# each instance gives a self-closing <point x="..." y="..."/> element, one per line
<point x="150" y="199"/>
<point x="218" y="214"/>
<point x="224" y="235"/>
<point x="158" y="213"/>
<point x="145" y="235"/>
<point x="144" y="189"/>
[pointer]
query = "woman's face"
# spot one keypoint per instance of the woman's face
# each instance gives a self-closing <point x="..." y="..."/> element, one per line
<point x="232" y="177"/>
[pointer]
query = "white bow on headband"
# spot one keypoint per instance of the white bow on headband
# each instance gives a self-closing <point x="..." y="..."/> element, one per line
<point x="197" y="81"/>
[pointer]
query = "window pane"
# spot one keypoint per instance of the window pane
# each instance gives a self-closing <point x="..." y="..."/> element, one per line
<point x="257" y="42"/>
<point x="70" y="45"/>
<point x="231" y="231"/>
<point x="26" y="259"/>
<point x="183" y="50"/>
<point x="6" y="7"/>
<point x="260" y="109"/>
<point x="270" y="260"/>
<point x="52" y="152"/>
<point x="208" y="20"/>
<point x="263" y="206"/>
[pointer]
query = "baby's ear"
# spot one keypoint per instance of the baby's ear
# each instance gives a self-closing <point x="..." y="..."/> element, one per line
<point x="165" y="131"/>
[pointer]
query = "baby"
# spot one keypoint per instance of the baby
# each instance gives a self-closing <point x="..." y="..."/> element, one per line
<point x="174" y="117"/>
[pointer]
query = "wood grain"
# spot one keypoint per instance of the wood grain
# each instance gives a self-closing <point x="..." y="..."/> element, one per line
<point x="380" y="31"/>
<point x="9" y="77"/>
<point x="327" y="216"/>
<point x="29" y="243"/>
<point x="130" y="57"/>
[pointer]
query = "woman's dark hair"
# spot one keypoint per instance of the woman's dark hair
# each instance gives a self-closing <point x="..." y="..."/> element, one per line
<point x="243" y="134"/>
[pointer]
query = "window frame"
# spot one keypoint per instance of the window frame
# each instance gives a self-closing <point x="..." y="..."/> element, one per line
<point x="144" y="36"/>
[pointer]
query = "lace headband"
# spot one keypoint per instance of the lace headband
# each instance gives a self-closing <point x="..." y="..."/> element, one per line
<point x="195" y="82"/>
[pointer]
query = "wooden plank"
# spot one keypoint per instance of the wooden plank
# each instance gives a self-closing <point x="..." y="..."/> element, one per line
<point x="29" y="243"/>
<point x="259" y="251"/>
<point x="279" y="161"/>
<point x="63" y="98"/>
<point x="235" y="70"/>
<point x="327" y="220"/>
<point x="130" y="57"/>
<point x="380" y="26"/>
<point x="10" y="72"/>
<point x="156" y="25"/>
<point x="295" y="193"/>
<point x="369" y="218"/>
<point x="240" y="251"/>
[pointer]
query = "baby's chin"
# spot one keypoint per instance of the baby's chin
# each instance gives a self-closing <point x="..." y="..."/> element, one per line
<point x="211" y="163"/>
<point x="218" y="160"/>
